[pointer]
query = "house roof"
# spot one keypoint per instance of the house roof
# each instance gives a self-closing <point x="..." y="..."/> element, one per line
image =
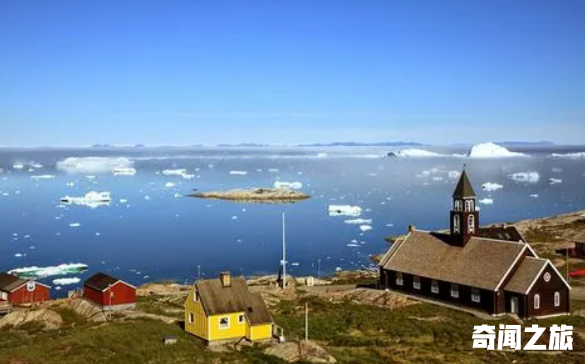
<point x="525" y="274"/>
<point x="219" y="300"/>
<point x="9" y="282"/>
<point x="481" y="263"/>
<point x="580" y="238"/>
<point x="101" y="281"/>
<point x="463" y="188"/>
<point x="501" y="232"/>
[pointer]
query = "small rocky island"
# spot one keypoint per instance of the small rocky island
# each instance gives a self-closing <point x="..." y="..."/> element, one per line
<point x="266" y="195"/>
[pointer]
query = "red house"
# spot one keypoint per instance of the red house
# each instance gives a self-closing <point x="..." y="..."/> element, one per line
<point x="109" y="293"/>
<point x="17" y="291"/>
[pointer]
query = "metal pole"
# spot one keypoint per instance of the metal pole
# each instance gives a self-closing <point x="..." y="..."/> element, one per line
<point x="568" y="277"/>
<point x="306" y="321"/>
<point x="283" y="253"/>
<point x="198" y="272"/>
<point x="318" y="268"/>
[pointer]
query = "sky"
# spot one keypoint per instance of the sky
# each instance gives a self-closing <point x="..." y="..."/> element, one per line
<point x="185" y="72"/>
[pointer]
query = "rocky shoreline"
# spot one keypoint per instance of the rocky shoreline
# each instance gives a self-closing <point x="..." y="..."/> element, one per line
<point x="269" y="195"/>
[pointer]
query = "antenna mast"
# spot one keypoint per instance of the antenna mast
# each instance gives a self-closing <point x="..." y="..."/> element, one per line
<point x="283" y="261"/>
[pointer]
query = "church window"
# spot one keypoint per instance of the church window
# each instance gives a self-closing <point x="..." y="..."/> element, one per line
<point x="471" y="224"/>
<point x="557" y="297"/>
<point x="399" y="279"/>
<point x="416" y="282"/>
<point x="456" y="224"/>
<point x="536" y="301"/>
<point x="468" y="205"/>
<point x="434" y="286"/>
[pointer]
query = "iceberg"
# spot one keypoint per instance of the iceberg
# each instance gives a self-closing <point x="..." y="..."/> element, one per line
<point x="18" y="166"/>
<point x="91" y="199"/>
<point x="66" y="281"/>
<point x="93" y="164"/>
<point x="170" y="185"/>
<point x="344" y="210"/>
<point x="454" y="174"/>
<point x="491" y="186"/>
<point x="487" y="201"/>
<point x="35" y="272"/>
<point x="413" y="153"/>
<point x="289" y="185"/>
<point x="491" y="150"/>
<point x="525" y="177"/>
<point x="365" y="228"/>
<point x="359" y="221"/>
<point x="554" y="181"/>
<point x="238" y="173"/>
<point x="43" y="176"/>
<point x="124" y="171"/>
<point x="74" y="224"/>
<point x="569" y="155"/>
<point x="178" y="172"/>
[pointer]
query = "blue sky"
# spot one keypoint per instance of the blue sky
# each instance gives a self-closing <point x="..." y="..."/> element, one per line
<point x="185" y="72"/>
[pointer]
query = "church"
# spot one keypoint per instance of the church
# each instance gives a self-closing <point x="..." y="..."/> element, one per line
<point x="491" y="269"/>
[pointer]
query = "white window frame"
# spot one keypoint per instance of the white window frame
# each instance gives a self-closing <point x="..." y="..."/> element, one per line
<point x="537" y="301"/>
<point x="241" y="318"/>
<point x="469" y="205"/>
<point x="456" y="223"/>
<point x="435" y="286"/>
<point x="471" y="224"/>
<point x="191" y="317"/>
<point x="399" y="279"/>
<point x="457" y="206"/>
<point x="475" y="295"/>
<point x="196" y="296"/>
<point x="227" y="326"/>
<point x="454" y="290"/>
<point x="557" y="299"/>
<point x="416" y="282"/>
<point x="4" y="296"/>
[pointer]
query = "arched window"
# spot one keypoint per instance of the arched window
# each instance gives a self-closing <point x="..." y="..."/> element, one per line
<point x="457" y="205"/>
<point x="557" y="297"/>
<point x="471" y="224"/>
<point x="456" y="224"/>
<point x="536" y="301"/>
<point x="468" y="205"/>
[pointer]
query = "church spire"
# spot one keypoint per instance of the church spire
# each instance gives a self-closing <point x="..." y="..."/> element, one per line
<point x="464" y="214"/>
<point x="464" y="188"/>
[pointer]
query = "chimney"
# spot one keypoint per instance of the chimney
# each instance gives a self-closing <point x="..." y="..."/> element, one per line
<point x="411" y="228"/>
<point x="225" y="279"/>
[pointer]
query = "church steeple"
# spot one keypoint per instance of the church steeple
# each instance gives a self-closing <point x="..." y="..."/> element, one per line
<point x="464" y="215"/>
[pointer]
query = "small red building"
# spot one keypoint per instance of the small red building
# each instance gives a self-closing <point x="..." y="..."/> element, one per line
<point x="109" y="293"/>
<point x="18" y="291"/>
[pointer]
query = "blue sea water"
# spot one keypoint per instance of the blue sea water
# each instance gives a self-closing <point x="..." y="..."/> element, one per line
<point x="156" y="233"/>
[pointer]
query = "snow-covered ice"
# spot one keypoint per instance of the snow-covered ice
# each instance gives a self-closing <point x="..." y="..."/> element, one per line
<point x="365" y="228"/>
<point x="18" y="166"/>
<point x="170" y="185"/>
<point x="43" y="176"/>
<point x="554" y="181"/>
<point x="526" y="177"/>
<point x="491" y="150"/>
<point x="491" y="186"/>
<point x="359" y="221"/>
<point x="487" y="201"/>
<point x="91" y="199"/>
<point x="41" y="272"/>
<point x="66" y="281"/>
<point x="238" y="173"/>
<point x="414" y="153"/>
<point x="569" y="155"/>
<point x="124" y="171"/>
<point x="344" y="210"/>
<point x="75" y="224"/>
<point x="93" y="164"/>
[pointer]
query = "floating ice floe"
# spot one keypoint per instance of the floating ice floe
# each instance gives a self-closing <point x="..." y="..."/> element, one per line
<point x="491" y="186"/>
<point x="454" y="174"/>
<point x="487" y="201"/>
<point x="289" y="185"/>
<point x="554" y="181"/>
<point x="491" y="150"/>
<point x="123" y="200"/>
<point x="74" y="224"/>
<point x="18" y="166"/>
<point x="273" y="170"/>
<point x="19" y="255"/>
<point x="170" y="185"/>
<point x="365" y="228"/>
<point x="93" y="164"/>
<point x="358" y="221"/>
<point x="178" y="172"/>
<point x="322" y="155"/>
<point x="344" y="210"/>
<point x="91" y="199"/>
<point x="569" y="155"/>
<point x="535" y="195"/>
<point x="238" y="173"/>
<point x="526" y="177"/>
<point x="414" y="153"/>
<point x="41" y="272"/>
<point x="43" y="176"/>
<point x="36" y="165"/>
<point x="124" y="171"/>
<point x="66" y="281"/>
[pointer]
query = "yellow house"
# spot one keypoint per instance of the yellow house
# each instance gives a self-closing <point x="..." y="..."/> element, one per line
<point x="223" y="309"/>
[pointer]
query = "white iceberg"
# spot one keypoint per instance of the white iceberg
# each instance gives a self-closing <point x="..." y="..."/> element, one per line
<point x="365" y="228"/>
<point x="491" y="186"/>
<point x="554" y="181"/>
<point x="91" y="199"/>
<point x="569" y="155"/>
<point x="289" y="185"/>
<point x="487" y="201"/>
<point x="491" y="150"/>
<point x="36" y="165"/>
<point x="238" y="173"/>
<point x="43" y="176"/>
<point x="535" y="195"/>
<point x="344" y="210"/>
<point x="74" y="224"/>
<point x="414" y="153"/>
<point x="358" y="221"/>
<point x="35" y="272"/>
<point x="124" y="171"/>
<point x="18" y="166"/>
<point x="170" y="185"/>
<point x="525" y="177"/>
<point x="178" y="172"/>
<point x="93" y="164"/>
<point x="66" y="281"/>
<point x="322" y="155"/>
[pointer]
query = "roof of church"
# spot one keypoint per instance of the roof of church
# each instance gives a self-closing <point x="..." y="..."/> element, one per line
<point x="464" y="188"/>
<point x="525" y="274"/>
<point x="481" y="263"/>
<point x="501" y="232"/>
<point x="580" y="238"/>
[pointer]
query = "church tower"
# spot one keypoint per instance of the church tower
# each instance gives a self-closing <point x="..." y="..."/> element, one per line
<point x="464" y="216"/>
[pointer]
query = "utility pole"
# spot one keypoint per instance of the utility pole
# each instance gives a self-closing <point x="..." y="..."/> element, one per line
<point x="318" y="268"/>
<point x="283" y="261"/>
<point x="198" y="272"/>
<point x="567" y="255"/>
<point x="306" y="321"/>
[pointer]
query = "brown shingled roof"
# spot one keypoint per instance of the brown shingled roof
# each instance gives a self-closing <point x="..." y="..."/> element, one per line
<point x="219" y="300"/>
<point x="525" y="274"/>
<point x="9" y="282"/>
<point x="502" y="232"/>
<point x="463" y="188"/>
<point x="481" y="263"/>
<point x="580" y="238"/>
<point x="100" y="281"/>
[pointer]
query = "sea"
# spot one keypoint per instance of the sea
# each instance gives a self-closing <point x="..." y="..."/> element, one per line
<point x="152" y="231"/>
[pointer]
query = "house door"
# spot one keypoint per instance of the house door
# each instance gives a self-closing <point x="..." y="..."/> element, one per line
<point x="514" y="305"/>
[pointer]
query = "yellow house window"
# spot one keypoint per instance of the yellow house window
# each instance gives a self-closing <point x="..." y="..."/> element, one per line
<point x="196" y="296"/>
<point x="241" y="319"/>
<point x="224" y="323"/>
<point x="190" y="318"/>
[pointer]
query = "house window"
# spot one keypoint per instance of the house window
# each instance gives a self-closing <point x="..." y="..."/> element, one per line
<point x="196" y="296"/>
<point x="475" y="296"/>
<point x="469" y="205"/>
<point x="399" y="279"/>
<point x="536" y="301"/>
<point x="454" y="290"/>
<point x="191" y="318"/>
<point x="456" y="223"/>
<point x="416" y="282"/>
<point x="557" y="299"/>
<point x="241" y="319"/>
<point x="434" y="286"/>
<point x="4" y="296"/>
<point x="30" y="286"/>
<point x="224" y="323"/>
<point x="471" y="223"/>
